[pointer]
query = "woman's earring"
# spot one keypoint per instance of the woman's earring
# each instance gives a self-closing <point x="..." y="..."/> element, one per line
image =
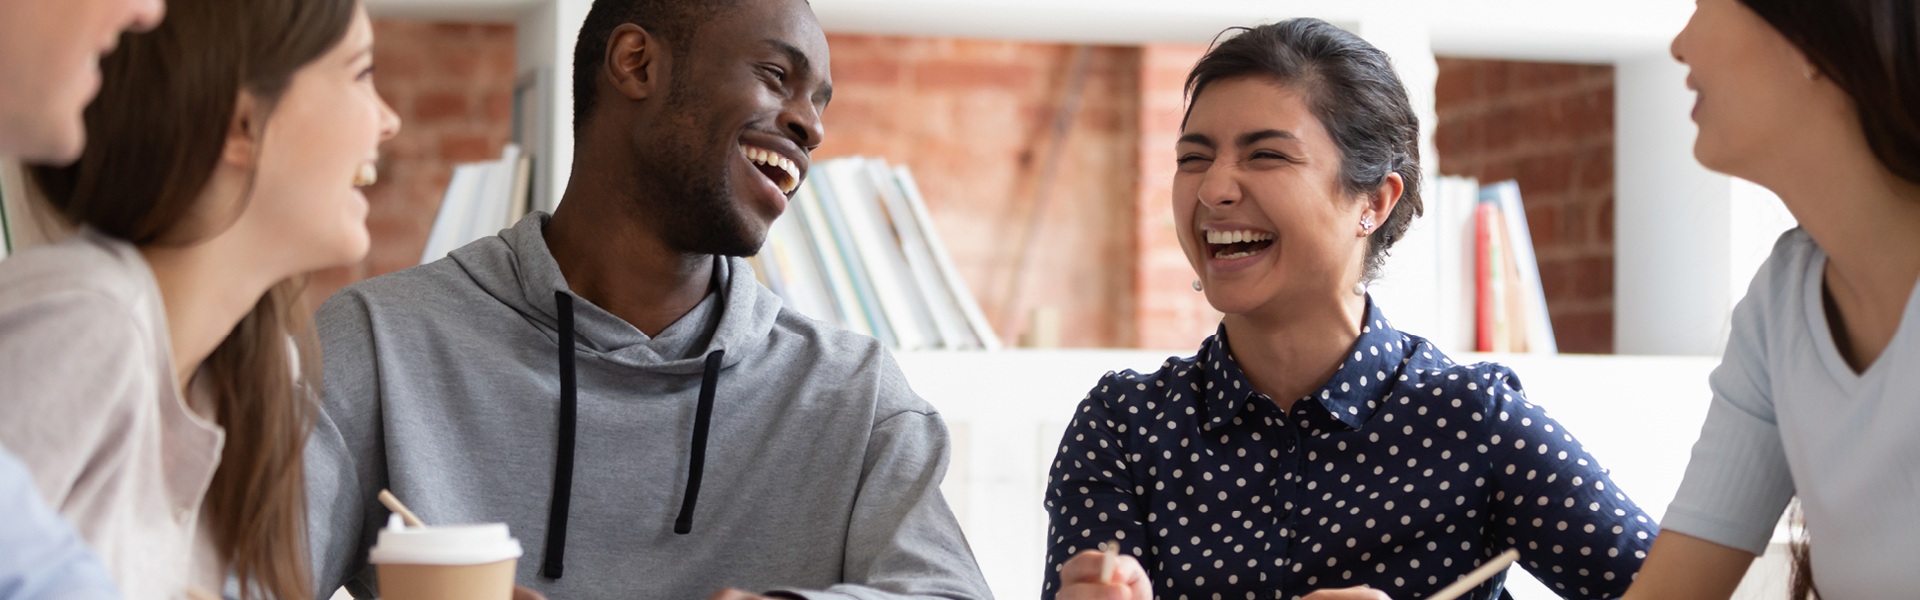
<point x="1366" y="225"/>
<point x="1196" y="285"/>
<point x="1360" y="289"/>
<point x="1809" y="72"/>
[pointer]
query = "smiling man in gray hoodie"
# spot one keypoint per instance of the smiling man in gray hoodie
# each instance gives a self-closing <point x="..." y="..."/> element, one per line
<point x="613" y="383"/>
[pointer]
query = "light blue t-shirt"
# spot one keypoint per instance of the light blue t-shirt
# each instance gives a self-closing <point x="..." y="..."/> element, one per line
<point x="1790" y="416"/>
<point x="41" y="557"/>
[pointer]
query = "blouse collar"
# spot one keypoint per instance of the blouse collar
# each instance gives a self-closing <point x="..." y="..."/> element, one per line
<point x="1351" y="396"/>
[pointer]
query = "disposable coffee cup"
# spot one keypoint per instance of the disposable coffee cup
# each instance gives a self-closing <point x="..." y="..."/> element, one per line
<point x="448" y="562"/>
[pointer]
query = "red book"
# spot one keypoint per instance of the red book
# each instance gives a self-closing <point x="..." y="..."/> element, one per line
<point x="1489" y="279"/>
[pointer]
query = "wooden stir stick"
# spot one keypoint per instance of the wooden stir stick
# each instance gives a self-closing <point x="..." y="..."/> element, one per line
<point x="393" y="504"/>
<point x="1110" y="557"/>
<point x="1474" y="578"/>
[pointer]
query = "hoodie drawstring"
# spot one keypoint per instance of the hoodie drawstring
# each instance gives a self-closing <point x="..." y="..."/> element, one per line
<point x="552" y="566"/>
<point x="697" y="459"/>
<point x="563" y="463"/>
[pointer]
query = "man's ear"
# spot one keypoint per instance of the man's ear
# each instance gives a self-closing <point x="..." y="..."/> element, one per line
<point x="634" y="61"/>
<point x="243" y="139"/>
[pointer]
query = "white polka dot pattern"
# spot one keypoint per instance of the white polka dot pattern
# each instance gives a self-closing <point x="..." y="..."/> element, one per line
<point x="1402" y="472"/>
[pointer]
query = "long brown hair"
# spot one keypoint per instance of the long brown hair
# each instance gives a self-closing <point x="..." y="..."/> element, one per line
<point x="156" y="132"/>
<point x="1871" y="49"/>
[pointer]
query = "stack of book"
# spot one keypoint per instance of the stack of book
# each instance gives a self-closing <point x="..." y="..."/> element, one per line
<point x="482" y="198"/>
<point x="1510" y="304"/>
<point x="856" y="248"/>
<point x="1464" y="275"/>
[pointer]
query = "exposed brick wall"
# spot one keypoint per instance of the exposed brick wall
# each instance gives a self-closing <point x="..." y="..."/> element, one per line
<point x="452" y="84"/>
<point x="1549" y="126"/>
<point x="1172" y="316"/>
<point x="973" y="119"/>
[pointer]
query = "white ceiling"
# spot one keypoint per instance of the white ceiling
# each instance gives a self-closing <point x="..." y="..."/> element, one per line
<point x="1562" y="30"/>
<point x="451" y="10"/>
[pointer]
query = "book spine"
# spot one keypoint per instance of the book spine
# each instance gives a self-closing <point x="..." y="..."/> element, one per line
<point x="1498" y="261"/>
<point x="830" y="203"/>
<point x="1537" y="322"/>
<point x="957" y="286"/>
<point x="951" y="325"/>
<point x="1484" y="313"/>
<point x="900" y="241"/>
<point x="832" y="265"/>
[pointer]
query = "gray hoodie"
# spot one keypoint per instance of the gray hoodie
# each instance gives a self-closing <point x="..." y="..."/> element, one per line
<point x="817" y="471"/>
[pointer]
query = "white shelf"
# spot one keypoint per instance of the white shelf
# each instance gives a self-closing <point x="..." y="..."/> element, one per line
<point x="1638" y="415"/>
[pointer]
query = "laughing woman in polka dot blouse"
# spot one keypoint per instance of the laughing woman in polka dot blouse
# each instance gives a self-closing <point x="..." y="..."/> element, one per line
<point x="1309" y="448"/>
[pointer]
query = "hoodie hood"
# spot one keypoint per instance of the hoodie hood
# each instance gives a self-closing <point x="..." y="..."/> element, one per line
<point x="517" y="269"/>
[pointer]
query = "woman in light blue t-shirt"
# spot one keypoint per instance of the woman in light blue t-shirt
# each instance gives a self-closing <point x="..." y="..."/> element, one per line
<point x="1818" y="396"/>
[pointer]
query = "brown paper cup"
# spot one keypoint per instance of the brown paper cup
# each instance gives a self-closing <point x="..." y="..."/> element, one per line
<point x="453" y="562"/>
<point x="490" y="581"/>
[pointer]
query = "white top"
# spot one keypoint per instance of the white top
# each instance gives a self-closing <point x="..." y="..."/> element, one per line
<point x="1789" y="414"/>
<point x="88" y="402"/>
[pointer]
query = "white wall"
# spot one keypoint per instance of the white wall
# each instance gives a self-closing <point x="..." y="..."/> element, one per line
<point x="1686" y="240"/>
<point x="1670" y="236"/>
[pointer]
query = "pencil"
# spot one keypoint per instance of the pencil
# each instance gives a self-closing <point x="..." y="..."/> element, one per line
<point x="1110" y="558"/>
<point x="1475" y="577"/>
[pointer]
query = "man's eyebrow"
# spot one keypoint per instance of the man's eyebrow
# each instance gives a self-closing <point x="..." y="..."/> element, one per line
<point x="801" y="63"/>
<point x="1252" y="137"/>
<point x="799" y="59"/>
<point x="1195" y="138"/>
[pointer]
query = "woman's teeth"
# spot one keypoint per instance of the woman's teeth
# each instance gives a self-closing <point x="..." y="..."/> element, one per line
<point x="1235" y="237"/>
<point x="1250" y="242"/>
<point x="762" y="156"/>
<point x="366" y="176"/>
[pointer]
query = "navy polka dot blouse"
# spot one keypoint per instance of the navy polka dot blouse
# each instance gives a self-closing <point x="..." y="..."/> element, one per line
<point x="1403" y="472"/>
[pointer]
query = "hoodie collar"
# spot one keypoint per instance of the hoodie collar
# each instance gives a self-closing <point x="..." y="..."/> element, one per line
<point x="1351" y="396"/>
<point x="517" y="269"/>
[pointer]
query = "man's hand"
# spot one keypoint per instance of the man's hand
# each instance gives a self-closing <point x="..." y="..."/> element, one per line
<point x="1352" y="593"/>
<point x="521" y="593"/>
<point x="1080" y="579"/>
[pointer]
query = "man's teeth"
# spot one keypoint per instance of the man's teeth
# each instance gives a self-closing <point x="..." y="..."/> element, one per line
<point x="769" y="157"/>
<point x="1235" y="237"/>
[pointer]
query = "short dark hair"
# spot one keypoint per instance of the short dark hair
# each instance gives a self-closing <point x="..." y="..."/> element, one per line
<point x="1352" y="88"/>
<point x="1871" y="49"/>
<point x="672" y="21"/>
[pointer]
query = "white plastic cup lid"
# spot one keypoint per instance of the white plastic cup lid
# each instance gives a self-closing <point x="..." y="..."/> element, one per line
<point x="445" y="545"/>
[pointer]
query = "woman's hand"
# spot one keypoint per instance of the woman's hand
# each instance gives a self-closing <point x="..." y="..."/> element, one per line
<point x="1352" y="593"/>
<point x="1080" y="579"/>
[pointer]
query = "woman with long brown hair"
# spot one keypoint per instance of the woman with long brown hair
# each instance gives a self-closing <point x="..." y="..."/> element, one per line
<point x="1818" y="396"/>
<point x="153" y="366"/>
